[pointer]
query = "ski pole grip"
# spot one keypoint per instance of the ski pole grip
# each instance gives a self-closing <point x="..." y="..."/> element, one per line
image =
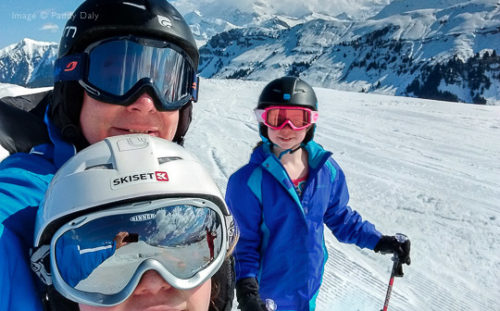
<point x="397" y="267"/>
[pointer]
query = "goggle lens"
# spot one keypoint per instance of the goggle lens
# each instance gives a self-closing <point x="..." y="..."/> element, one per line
<point x="277" y="117"/>
<point x="180" y="239"/>
<point x="116" y="70"/>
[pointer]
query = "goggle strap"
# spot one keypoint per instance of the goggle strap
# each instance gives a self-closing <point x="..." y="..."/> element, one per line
<point x="259" y="114"/>
<point x="40" y="263"/>
<point x="70" y="68"/>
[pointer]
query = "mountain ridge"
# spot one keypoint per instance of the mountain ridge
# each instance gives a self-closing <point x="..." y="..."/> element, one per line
<point x="443" y="50"/>
<point x="393" y="55"/>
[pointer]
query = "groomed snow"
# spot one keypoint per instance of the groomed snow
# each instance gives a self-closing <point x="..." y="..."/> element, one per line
<point x="425" y="168"/>
<point x="428" y="169"/>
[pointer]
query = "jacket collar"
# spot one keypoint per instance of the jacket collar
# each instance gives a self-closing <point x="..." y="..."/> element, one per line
<point x="60" y="150"/>
<point x="317" y="156"/>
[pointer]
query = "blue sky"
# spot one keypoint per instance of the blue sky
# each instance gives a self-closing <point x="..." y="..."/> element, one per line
<point x="41" y="20"/>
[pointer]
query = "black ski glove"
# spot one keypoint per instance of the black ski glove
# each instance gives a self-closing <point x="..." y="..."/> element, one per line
<point x="247" y="294"/>
<point x="395" y="245"/>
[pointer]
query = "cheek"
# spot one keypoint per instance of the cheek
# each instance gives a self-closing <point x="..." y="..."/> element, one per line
<point x="170" y="121"/>
<point x="92" y="125"/>
<point x="272" y="134"/>
<point x="87" y="120"/>
<point x="94" y="117"/>
<point x="199" y="299"/>
<point x="302" y="134"/>
<point x="89" y="308"/>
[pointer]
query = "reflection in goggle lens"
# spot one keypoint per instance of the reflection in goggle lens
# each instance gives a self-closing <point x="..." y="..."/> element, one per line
<point x="119" y="67"/>
<point x="184" y="239"/>
<point x="277" y="116"/>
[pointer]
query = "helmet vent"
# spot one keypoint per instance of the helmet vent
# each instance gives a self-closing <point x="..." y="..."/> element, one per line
<point x="107" y="166"/>
<point x="168" y="159"/>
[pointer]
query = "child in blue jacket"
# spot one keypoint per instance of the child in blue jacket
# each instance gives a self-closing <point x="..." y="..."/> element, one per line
<point x="281" y="200"/>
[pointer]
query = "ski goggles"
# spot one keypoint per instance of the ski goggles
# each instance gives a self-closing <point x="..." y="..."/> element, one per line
<point x="184" y="240"/>
<point x="276" y="117"/>
<point x="120" y="69"/>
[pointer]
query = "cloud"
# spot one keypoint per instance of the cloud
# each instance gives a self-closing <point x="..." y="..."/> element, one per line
<point x="50" y="27"/>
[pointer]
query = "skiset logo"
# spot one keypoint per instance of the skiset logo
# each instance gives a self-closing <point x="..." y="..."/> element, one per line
<point x="133" y="179"/>
<point x="161" y="176"/>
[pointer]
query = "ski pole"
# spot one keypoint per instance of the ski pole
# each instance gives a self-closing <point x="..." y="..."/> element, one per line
<point x="391" y="282"/>
<point x="397" y="271"/>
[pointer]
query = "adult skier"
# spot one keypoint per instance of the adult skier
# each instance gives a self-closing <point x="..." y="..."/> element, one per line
<point x="131" y="69"/>
<point x="90" y="199"/>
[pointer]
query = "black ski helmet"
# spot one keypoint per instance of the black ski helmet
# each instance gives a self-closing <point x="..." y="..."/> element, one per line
<point x="95" y="20"/>
<point x="288" y="91"/>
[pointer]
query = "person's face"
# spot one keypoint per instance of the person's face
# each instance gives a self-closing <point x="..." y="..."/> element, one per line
<point x="287" y="138"/>
<point x="154" y="294"/>
<point x="99" y="120"/>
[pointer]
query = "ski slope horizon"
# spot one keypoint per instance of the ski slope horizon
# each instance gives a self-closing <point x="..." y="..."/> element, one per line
<point x="425" y="168"/>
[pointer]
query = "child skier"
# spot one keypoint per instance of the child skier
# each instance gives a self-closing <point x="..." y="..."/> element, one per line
<point x="281" y="200"/>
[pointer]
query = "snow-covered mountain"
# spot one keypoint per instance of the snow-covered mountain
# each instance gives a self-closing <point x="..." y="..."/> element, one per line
<point x="433" y="49"/>
<point x="443" y="49"/>
<point x="208" y="18"/>
<point x="28" y="63"/>
<point x="424" y="168"/>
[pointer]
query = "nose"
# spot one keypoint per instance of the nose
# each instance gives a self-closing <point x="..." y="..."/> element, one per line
<point x="151" y="283"/>
<point x="287" y="126"/>
<point x="143" y="104"/>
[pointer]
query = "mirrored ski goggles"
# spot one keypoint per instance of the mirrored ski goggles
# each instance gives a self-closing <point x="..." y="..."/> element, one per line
<point x="119" y="70"/>
<point x="276" y="117"/>
<point x="98" y="259"/>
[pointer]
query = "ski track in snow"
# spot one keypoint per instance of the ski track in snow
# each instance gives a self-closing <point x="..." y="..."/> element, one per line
<point x="424" y="168"/>
<point x="428" y="169"/>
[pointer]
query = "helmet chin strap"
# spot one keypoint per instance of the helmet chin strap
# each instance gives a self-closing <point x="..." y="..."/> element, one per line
<point x="292" y="150"/>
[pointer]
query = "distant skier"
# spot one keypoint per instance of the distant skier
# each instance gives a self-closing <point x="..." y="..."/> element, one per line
<point x="281" y="200"/>
<point x="210" y="241"/>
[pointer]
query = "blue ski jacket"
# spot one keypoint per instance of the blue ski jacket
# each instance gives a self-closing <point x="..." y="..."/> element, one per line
<point x="24" y="178"/>
<point x="77" y="263"/>
<point x="281" y="235"/>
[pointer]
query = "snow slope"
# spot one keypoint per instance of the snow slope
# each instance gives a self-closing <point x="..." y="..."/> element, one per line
<point x="425" y="168"/>
<point x="7" y="89"/>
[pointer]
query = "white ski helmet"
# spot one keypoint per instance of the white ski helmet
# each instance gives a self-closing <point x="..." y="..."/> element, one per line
<point x="123" y="168"/>
<point x="117" y="177"/>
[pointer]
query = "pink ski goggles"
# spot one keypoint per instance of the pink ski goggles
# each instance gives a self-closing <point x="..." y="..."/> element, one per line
<point x="276" y="117"/>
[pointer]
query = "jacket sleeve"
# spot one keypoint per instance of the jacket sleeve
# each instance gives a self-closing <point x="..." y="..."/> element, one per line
<point x="346" y="224"/>
<point x="24" y="178"/>
<point x="247" y="213"/>
<point x="76" y="264"/>
<point x="23" y="182"/>
<point x="18" y="286"/>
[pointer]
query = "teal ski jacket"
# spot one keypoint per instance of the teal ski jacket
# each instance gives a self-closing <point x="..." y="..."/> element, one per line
<point x="281" y="234"/>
